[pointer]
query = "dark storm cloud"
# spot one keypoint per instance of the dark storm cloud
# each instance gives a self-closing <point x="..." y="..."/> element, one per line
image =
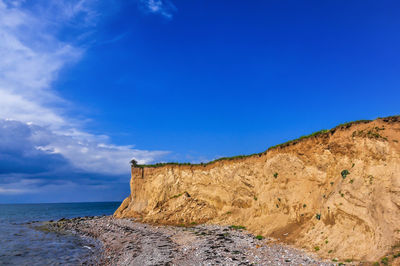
<point x="20" y="151"/>
<point x="23" y="156"/>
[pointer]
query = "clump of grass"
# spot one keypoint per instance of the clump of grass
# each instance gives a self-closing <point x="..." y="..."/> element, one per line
<point x="345" y="173"/>
<point x="372" y="133"/>
<point x="371" y="178"/>
<point x="193" y="223"/>
<point x="349" y="124"/>
<point x="237" y="227"/>
<point x="397" y="245"/>
<point x="160" y="164"/>
<point x="292" y="142"/>
<point x="275" y="175"/>
<point x="324" y="131"/>
<point x="304" y="205"/>
<point x="332" y="183"/>
<point x="321" y="132"/>
<point x="348" y="260"/>
<point x="326" y="241"/>
<point x="277" y="205"/>
<point x="259" y="237"/>
<point x="228" y="212"/>
<point x="330" y="251"/>
<point x="396" y="255"/>
<point x="353" y="165"/>
<point x="376" y="263"/>
<point x="351" y="181"/>
<point x="385" y="260"/>
<point x="318" y="216"/>
<point x="334" y="260"/>
<point x="176" y="196"/>
<point x="316" y="248"/>
<point x="255" y="198"/>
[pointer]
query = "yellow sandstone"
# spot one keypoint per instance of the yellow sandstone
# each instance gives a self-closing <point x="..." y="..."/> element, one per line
<point x="338" y="190"/>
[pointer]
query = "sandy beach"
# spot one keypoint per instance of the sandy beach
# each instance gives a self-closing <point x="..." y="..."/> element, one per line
<point x="128" y="242"/>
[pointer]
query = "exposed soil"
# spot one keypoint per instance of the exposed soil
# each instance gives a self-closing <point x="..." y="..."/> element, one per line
<point x="337" y="191"/>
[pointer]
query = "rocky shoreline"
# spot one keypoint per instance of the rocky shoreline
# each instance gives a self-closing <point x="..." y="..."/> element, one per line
<point x="128" y="242"/>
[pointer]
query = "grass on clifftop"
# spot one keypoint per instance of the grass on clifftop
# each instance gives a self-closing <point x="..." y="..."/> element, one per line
<point x="321" y="132"/>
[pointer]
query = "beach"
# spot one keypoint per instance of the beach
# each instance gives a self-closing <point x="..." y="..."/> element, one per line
<point x="129" y="242"/>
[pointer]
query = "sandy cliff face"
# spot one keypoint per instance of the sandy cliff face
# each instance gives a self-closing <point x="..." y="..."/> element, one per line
<point x="338" y="192"/>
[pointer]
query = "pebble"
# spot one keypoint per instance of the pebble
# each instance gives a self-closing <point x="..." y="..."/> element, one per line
<point x="127" y="242"/>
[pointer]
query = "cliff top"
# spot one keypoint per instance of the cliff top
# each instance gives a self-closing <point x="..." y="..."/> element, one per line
<point x="324" y="132"/>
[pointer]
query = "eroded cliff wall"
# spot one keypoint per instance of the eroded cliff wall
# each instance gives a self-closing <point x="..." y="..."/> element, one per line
<point x="338" y="191"/>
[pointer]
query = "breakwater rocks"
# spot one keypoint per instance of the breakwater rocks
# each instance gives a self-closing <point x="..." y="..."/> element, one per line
<point x="126" y="242"/>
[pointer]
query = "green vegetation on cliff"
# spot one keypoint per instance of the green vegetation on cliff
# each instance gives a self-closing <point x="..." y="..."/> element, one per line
<point x="285" y="144"/>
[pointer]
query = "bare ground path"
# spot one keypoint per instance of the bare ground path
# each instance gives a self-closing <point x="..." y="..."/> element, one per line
<point x="126" y="242"/>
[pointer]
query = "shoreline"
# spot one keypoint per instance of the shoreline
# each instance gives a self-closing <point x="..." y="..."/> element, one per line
<point x="128" y="242"/>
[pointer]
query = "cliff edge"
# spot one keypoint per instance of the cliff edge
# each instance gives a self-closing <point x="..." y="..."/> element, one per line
<point x="336" y="192"/>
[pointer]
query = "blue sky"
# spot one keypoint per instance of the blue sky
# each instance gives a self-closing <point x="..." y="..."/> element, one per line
<point x="87" y="85"/>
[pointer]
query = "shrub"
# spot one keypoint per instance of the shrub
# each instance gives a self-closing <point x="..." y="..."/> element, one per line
<point x="237" y="227"/>
<point x="316" y="248"/>
<point x="176" y="196"/>
<point x="318" y="216"/>
<point x="344" y="173"/>
<point x="275" y="175"/>
<point x="259" y="237"/>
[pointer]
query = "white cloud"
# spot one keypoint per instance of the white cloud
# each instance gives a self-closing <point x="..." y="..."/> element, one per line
<point x="161" y="7"/>
<point x="22" y="186"/>
<point x="31" y="59"/>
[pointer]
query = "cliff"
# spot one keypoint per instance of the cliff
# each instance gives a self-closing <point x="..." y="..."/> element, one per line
<point x="336" y="192"/>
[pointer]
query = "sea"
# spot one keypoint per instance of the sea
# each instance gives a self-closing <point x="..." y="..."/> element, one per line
<point x="21" y="243"/>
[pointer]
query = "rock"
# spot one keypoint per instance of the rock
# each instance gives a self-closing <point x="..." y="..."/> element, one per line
<point x="333" y="182"/>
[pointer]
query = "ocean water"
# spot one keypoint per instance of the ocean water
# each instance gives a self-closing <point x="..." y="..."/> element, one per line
<point x="22" y="244"/>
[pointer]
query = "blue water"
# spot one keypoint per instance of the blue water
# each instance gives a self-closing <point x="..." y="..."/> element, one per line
<point x="22" y="244"/>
